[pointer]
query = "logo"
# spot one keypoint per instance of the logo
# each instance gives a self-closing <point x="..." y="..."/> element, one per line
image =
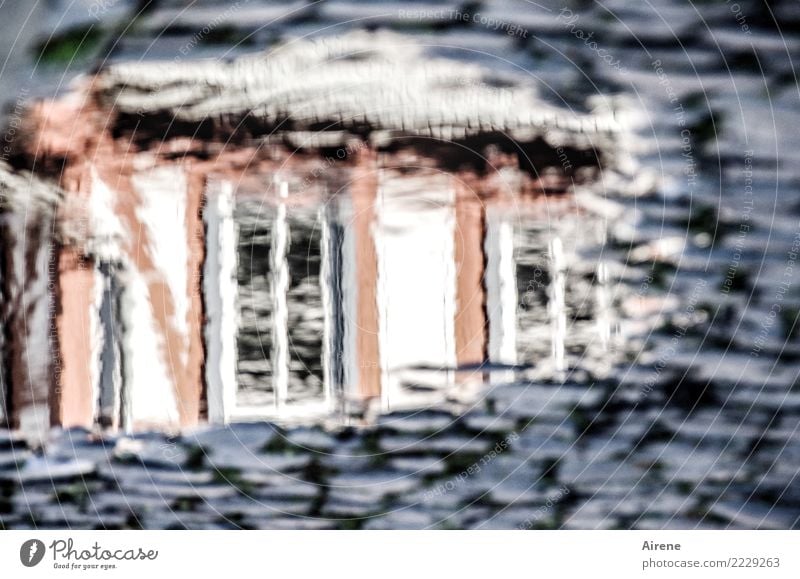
<point x="31" y="553"/>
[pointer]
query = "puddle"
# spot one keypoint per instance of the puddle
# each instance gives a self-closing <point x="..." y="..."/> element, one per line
<point x="153" y="277"/>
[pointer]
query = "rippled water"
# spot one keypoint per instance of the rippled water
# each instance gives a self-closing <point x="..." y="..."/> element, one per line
<point x="410" y="290"/>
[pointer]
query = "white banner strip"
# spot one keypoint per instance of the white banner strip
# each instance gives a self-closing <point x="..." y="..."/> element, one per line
<point x="401" y="554"/>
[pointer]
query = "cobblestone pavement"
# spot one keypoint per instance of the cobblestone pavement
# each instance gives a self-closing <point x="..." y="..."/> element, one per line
<point x="697" y="428"/>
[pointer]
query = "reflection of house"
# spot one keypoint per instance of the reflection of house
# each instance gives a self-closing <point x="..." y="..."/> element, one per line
<point x="120" y="302"/>
<point x="129" y="319"/>
<point x="415" y="274"/>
